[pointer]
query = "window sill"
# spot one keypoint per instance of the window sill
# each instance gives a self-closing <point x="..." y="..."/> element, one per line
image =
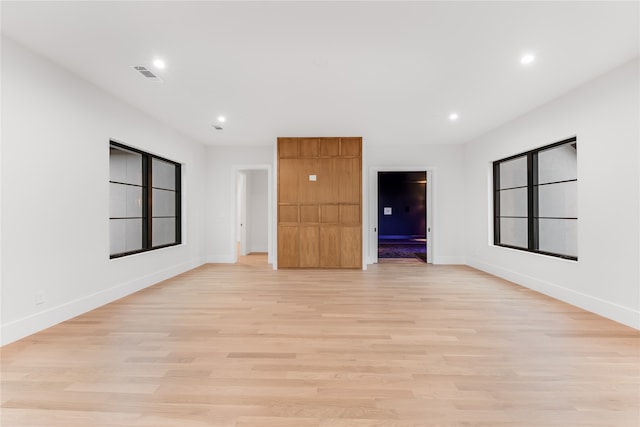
<point x="149" y="251"/>
<point x="540" y="254"/>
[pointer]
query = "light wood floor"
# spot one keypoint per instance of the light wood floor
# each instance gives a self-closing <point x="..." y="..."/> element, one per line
<point x="398" y="345"/>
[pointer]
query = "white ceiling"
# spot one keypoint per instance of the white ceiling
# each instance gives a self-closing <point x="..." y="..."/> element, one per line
<point x="388" y="71"/>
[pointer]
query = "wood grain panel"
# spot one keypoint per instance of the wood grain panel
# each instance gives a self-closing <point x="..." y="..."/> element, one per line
<point x="309" y="213"/>
<point x="351" y="247"/>
<point x="288" y="213"/>
<point x="329" y="147"/>
<point x="329" y="246"/>
<point x="349" y="180"/>
<point x="307" y="190"/>
<point x="288" y="249"/>
<point x="308" y="147"/>
<point x="332" y="199"/>
<point x="309" y="247"/>
<point x="350" y="147"/>
<point x="287" y="181"/>
<point x="288" y="148"/>
<point x="327" y="187"/>
<point x="330" y="214"/>
<point x="350" y="214"/>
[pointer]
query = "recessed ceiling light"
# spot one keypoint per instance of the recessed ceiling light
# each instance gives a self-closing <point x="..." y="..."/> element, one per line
<point x="159" y="63"/>
<point x="527" y="59"/>
<point x="222" y="119"/>
<point x="453" y="116"/>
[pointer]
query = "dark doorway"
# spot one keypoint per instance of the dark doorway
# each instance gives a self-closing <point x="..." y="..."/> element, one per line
<point x="402" y="206"/>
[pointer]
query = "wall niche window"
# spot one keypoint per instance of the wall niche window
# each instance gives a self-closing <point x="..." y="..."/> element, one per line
<point x="536" y="200"/>
<point x="144" y="209"/>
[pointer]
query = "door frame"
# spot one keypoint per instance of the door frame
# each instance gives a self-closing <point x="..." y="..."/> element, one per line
<point x="373" y="208"/>
<point x="242" y="169"/>
<point x="241" y="215"/>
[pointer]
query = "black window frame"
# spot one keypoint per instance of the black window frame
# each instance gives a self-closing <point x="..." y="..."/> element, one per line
<point x="532" y="199"/>
<point x="147" y="205"/>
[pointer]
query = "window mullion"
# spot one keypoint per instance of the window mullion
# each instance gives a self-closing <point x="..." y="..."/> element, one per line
<point x="496" y="203"/>
<point x="146" y="206"/>
<point x="535" y="204"/>
<point x="178" y="207"/>
<point x="531" y="202"/>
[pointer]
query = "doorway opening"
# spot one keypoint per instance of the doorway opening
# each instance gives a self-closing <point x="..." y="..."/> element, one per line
<point x="374" y="214"/>
<point x="252" y="236"/>
<point x="402" y="216"/>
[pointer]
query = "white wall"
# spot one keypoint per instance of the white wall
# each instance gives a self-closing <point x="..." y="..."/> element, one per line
<point x="605" y="116"/>
<point x="257" y="211"/>
<point x="448" y="203"/>
<point x="55" y="195"/>
<point x="222" y="163"/>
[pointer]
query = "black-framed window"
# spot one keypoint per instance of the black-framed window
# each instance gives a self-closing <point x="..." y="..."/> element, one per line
<point x="536" y="200"/>
<point x="145" y="203"/>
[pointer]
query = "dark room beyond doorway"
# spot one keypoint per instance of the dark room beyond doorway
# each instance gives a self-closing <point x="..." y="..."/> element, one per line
<point x="402" y="215"/>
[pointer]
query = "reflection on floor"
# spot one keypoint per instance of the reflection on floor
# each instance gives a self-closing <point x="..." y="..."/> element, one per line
<point x="402" y="247"/>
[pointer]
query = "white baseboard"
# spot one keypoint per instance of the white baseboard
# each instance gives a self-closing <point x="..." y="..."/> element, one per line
<point x="615" y="312"/>
<point x="457" y="260"/>
<point x="258" y="248"/>
<point x="37" y="322"/>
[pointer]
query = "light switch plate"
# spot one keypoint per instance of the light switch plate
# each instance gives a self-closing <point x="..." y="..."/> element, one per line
<point x="387" y="211"/>
<point x="313" y="178"/>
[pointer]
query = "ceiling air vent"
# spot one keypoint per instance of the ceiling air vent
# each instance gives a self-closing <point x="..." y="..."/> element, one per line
<point x="216" y="127"/>
<point x="146" y="73"/>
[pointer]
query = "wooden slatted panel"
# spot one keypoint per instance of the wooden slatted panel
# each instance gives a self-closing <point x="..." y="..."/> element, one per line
<point x="330" y="214"/>
<point x="333" y="198"/>
<point x="308" y="190"/>
<point x="329" y="147"/>
<point x="288" y="213"/>
<point x="288" y="181"/>
<point x="350" y="247"/>
<point x="330" y="246"/>
<point x="309" y="246"/>
<point x="327" y="185"/>
<point x="349" y="177"/>
<point x="350" y="147"/>
<point x="309" y="214"/>
<point x="350" y="214"/>
<point x="309" y="147"/>
<point x="288" y="148"/>
<point x="288" y="249"/>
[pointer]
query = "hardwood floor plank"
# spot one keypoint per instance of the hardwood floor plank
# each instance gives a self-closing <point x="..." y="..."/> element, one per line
<point x="399" y="345"/>
<point x="276" y="422"/>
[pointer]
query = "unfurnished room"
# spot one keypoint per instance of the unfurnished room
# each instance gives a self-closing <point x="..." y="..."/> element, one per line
<point x="320" y="213"/>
